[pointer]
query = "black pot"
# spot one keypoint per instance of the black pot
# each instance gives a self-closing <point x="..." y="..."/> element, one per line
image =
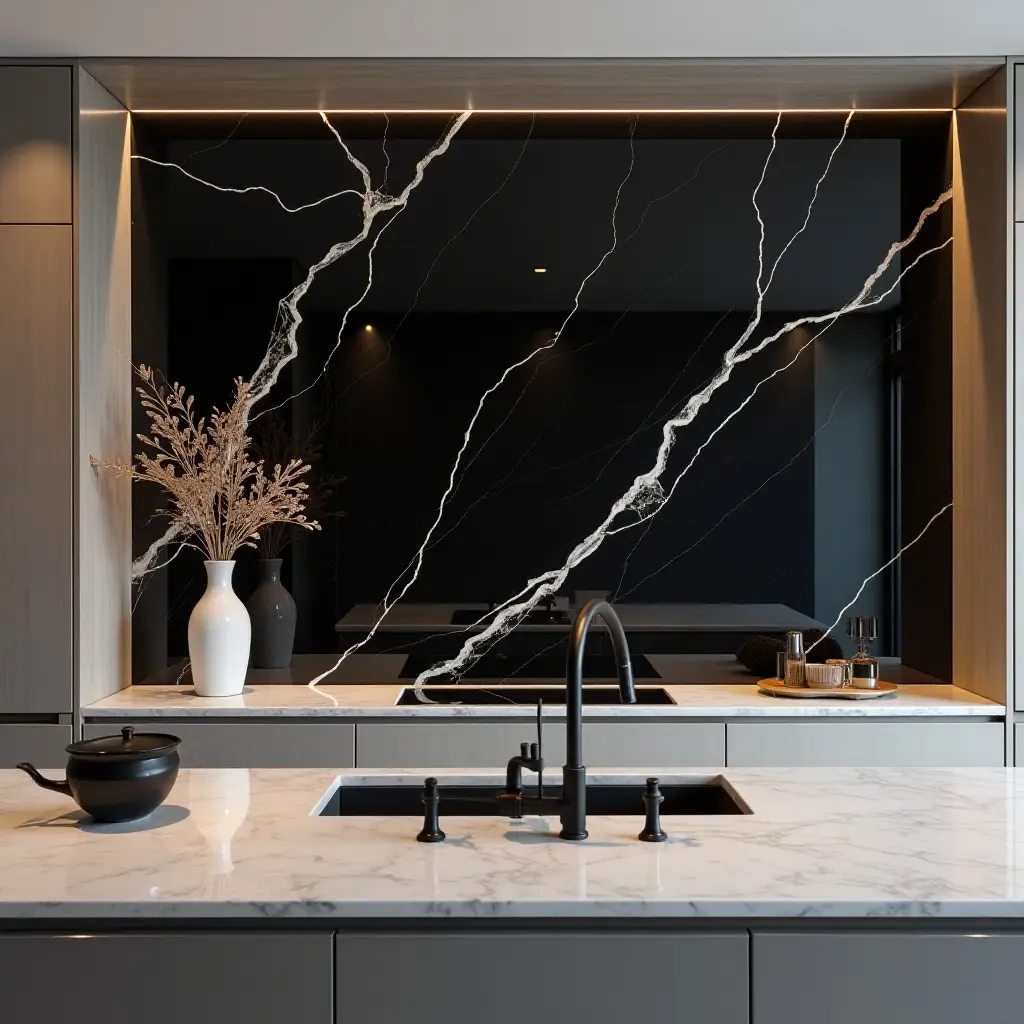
<point x="117" y="778"/>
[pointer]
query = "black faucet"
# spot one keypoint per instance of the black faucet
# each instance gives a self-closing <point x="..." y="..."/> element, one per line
<point x="572" y="805"/>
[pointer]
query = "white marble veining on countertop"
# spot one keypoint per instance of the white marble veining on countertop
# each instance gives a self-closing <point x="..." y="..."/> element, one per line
<point x="378" y="701"/>
<point x="240" y="845"/>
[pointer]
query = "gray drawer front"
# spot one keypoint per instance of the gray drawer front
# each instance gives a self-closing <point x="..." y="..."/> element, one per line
<point x="872" y="978"/>
<point x="866" y="744"/>
<point x="43" y="745"/>
<point x="468" y="744"/>
<point x="256" y="978"/>
<point x="250" y="745"/>
<point x="542" y="978"/>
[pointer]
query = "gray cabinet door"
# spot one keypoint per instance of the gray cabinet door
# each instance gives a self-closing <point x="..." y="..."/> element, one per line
<point x="542" y="977"/>
<point x="462" y="743"/>
<point x="271" y="744"/>
<point x="36" y="467"/>
<point x="878" y="978"/>
<point x="181" y="978"/>
<point x="42" y="745"/>
<point x="857" y="744"/>
<point x="35" y="145"/>
<point x="1018" y="103"/>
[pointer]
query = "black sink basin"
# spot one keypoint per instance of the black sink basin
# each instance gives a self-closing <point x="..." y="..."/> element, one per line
<point x="526" y="695"/>
<point x="712" y="797"/>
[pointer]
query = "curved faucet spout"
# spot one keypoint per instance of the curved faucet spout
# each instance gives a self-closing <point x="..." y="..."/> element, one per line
<point x="574" y="672"/>
<point x="574" y="774"/>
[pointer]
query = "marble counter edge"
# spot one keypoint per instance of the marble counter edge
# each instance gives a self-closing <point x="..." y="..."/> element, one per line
<point x="322" y="911"/>
<point x="695" y="702"/>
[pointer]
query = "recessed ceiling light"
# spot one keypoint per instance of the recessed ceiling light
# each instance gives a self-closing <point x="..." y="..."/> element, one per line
<point x="540" y="270"/>
<point x="368" y="327"/>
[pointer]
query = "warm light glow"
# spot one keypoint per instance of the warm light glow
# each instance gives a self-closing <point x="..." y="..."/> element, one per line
<point x="553" y="110"/>
<point x="540" y="270"/>
<point x="368" y="327"/>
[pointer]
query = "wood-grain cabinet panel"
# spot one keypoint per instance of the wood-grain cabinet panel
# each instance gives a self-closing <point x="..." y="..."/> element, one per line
<point x="36" y="467"/>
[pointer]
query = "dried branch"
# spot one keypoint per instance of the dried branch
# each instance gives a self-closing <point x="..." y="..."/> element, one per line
<point x="273" y="442"/>
<point x="218" y="493"/>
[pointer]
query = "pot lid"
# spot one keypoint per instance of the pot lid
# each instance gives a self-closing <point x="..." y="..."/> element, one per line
<point x="128" y="744"/>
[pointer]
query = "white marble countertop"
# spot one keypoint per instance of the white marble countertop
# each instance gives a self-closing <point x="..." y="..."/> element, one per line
<point x="670" y="617"/>
<point x="243" y="845"/>
<point x="378" y="701"/>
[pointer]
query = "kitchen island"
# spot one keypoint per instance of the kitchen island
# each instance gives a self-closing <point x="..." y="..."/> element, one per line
<point x="904" y="890"/>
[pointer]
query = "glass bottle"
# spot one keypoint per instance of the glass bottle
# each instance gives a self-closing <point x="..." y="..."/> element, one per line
<point x="796" y="660"/>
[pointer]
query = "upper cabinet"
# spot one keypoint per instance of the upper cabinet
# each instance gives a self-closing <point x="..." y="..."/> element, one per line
<point x="35" y="145"/>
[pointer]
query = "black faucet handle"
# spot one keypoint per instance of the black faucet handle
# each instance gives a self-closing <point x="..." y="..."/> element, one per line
<point x="653" y="799"/>
<point x="524" y="750"/>
<point x="431" y="831"/>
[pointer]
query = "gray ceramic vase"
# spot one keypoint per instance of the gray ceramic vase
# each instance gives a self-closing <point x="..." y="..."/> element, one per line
<point x="272" y="611"/>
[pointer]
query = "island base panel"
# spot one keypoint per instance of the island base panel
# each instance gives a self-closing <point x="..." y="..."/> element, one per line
<point x="544" y="977"/>
<point x="168" y="978"/>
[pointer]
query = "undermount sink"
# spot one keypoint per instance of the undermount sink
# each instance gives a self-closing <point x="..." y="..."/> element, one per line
<point x="715" y="796"/>
<point x="592" y="695"/>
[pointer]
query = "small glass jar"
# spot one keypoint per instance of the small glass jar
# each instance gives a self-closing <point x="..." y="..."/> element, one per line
<point x="796" y="660"/>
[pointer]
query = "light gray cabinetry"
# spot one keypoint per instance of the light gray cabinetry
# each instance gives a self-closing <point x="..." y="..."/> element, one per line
<point x="1018" y="134"/>
<point x="542" y="977"/>
<point x="36" y="466"/>
<point x="42" y="745"/>
<point x="269" y="744"/>
<point x="859" y="977"/>
<point x="35" y="145"/>
<point x="209" y="978"/>
<point x="465" y="743"/>
<point x="1018" y="337"/>
<point x="823" y="743"/>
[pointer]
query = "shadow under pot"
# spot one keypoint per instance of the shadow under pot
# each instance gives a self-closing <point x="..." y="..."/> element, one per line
<point x="117" y="778"/>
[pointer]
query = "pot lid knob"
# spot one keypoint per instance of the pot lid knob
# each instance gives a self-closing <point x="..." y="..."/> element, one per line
<point x="127" y="733"/>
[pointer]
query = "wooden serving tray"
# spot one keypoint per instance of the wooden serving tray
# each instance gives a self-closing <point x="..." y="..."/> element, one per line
<point x="776" y="688"/>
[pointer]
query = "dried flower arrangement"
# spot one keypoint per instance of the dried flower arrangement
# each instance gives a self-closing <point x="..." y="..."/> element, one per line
<point x="219" y="496"/>
<point x="273" y="443"/>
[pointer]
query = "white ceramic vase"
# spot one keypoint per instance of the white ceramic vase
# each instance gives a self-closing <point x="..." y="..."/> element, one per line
<point x="219" y="634"/>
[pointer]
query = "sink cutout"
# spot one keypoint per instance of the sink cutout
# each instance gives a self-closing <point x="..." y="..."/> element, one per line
<point x="711" y="797"/>
<point x="503" y="696"/>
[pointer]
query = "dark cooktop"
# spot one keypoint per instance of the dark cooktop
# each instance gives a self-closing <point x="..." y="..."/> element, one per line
<point x="513" y="667"/>
<point x="535" y="617"/>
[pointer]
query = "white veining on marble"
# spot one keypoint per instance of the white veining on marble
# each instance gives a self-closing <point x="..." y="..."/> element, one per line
<point x="647" y="496"/>
<point x="283" y="346"/>
<point x="831" y="843"/>
<point x="371" y="701"/>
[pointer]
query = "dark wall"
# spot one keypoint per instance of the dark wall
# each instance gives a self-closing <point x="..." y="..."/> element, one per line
<point x="564" y="436"/>
<point x="553" y="449"/>
<point x="217" y="312"/>
<point x="925" y="363"/>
